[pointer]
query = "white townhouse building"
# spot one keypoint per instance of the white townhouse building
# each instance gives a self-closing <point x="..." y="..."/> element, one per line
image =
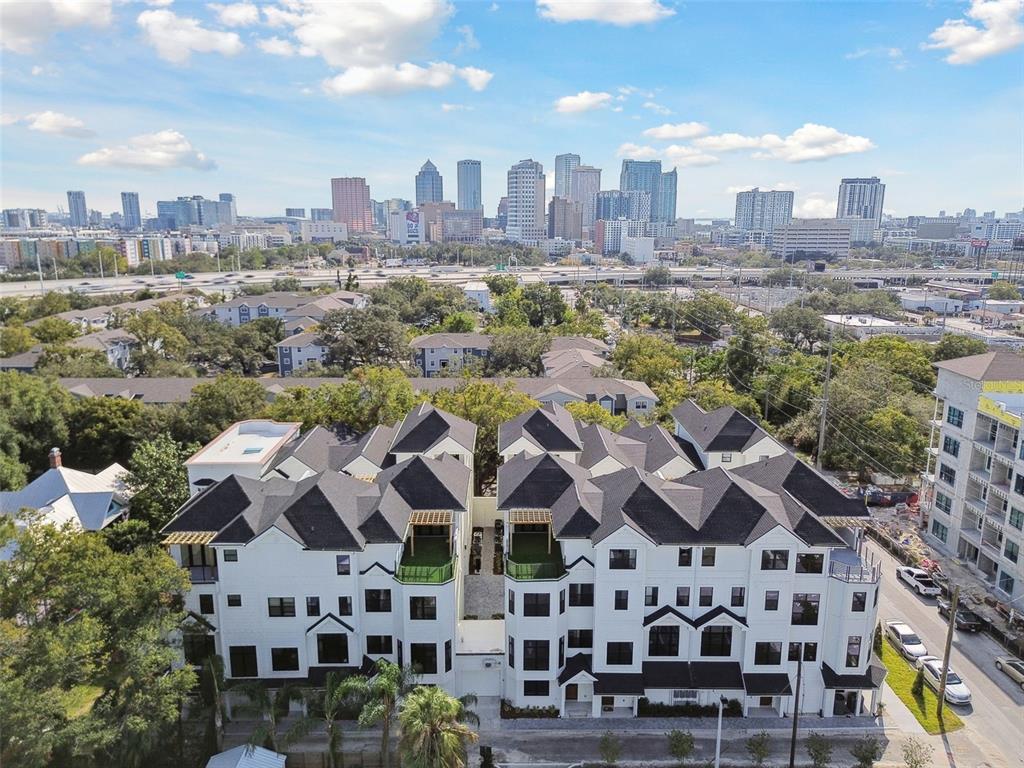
<point x="723" y="437"/>
<point x="974" y="481"/>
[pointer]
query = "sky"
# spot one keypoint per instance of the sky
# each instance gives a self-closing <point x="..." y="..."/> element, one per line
<point x="269" y="100"/>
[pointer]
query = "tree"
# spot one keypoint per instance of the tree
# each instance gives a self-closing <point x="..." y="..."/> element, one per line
<point x="1003" y="290"/>
<point x="102" y="431"/>
<point x="819" y="749"/>
<point x="270" y="707"/>
<point x="917" y="689"/>
<point x="866" y="751"/>
<point x="517" y="352"/>
<point x="759" y="746"/>
<point x="800" y="326"/>
<point x="649" y="358"/>
<point x="595" y="413"/>
<point x="382" y="694"/>
<point x="432" y="736"/>
<point x="459" y="322"/>
<point x="54" y="330"/>
<point x="365" y="337"/>
<point x="15" y="339"/>
<point x="543" y="304"/>
<point x="658" y="275"/>
<point x="501" y="284"/>
<point x="908" y="359"/>
<point x="680" y="745"/>
<point x="876" y="640"/>
<point x="329" y="704"/>
<point x="610" y="748"/>
<point x="33" y="419"/>
<point x="747" y="353"/>
<point x="954" y="345"/>
<point x="917" y="754"/>
<point x="158" y="480"/>
<point x="73" y="362"/>
<point x="216" y="405"/>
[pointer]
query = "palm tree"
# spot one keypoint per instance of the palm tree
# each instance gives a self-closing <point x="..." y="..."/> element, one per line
<point x="272" y="709"/>
<point x="466" y="713"/>
<point x="382" y="693"/>
<point x="211" y="683"/>
<point x="432" y="734"/>
<point x="328" y="703"/>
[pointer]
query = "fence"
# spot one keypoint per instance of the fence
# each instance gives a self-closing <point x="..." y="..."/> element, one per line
<point x="365" y="758"/>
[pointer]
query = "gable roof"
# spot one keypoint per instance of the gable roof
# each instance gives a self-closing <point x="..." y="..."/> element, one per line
<point x="723" y="429"/>
<point x="313" y="449"/>
<point x="559" y="343"/>
<point x="62" y="494"/>
<point x="425" y="426"/>
<point x="550" y="428"/>
<point x="600" y="443"/>
<point x="451" y="341"/>
<point x="301" y="340"/>
<point x="662" y="446"/>
<point x="988" y="366"/>
<point x="785" y="473"/>
<point x="246" y="756"/>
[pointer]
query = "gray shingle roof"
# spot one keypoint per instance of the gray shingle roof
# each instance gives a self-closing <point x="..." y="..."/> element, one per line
<point x="550" y="428"/>
<point x="426" y="426"/>
<point x="989" y="366"/>
<point x="451" y="341"/>
<point x="662" y="446"/>
<point x="723" y="429"/>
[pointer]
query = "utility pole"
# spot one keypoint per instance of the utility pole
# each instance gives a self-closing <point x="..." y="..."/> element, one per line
<point x="718" y="736"/>
<point x="953" y="603"/>
<point x="796" y="707"/>
<point x="824" y="403"/>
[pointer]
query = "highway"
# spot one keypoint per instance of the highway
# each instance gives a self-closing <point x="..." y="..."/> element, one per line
<point x="553" y="274"/>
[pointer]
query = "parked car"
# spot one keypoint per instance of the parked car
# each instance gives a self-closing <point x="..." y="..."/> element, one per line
<point x="956" y="691"/>
<point x="966" y="620"/>
<point x="920" y="581"/>
<point x="1012" y="667"/>
<point x="905" y="639"/>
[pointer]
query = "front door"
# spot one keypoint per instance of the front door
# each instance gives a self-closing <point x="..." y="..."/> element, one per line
<point x="572" y="692"/>
<point x="766" y="701"/>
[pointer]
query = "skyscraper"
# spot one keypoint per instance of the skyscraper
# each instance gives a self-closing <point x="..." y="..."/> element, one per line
<point x="469" y="197"/>
<point x="644" y="175"/>
<point x="611" y="204"/>
<point x="765" y="211"/>
<point x="564" y="219"/>
<point x="584" y="184"/>
<point x="298" y="213"/>
<point x="131" y="211"/>
<point x="429" y="187"/>
<point x="861" y="199"/>
<point x="350" y="198"/>
<point x="321" y="214"/>
<point x="667" y="198"/>
<point x="526" y="192"/>
<point x="564" y="165"/>
<point x="77" y="209"/>
<point x="227" y="213"/>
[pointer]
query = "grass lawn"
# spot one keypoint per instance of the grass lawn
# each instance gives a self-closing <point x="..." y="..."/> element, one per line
<point x="901" y="680"/>
<point x="79" y="700"/>
<point x="530" y="559"/>
<point x="430" y="564"/>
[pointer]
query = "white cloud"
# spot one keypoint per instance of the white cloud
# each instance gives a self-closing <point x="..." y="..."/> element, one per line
<point x="622" y="13"/>
<point x="657" y="108"/>
<point x="616" y="109"/>
<point x="27" y="24"/>
<point x="809" y="142"/>
<point x="677" y="130"/>
<point x="176" y="37"/>
<point x="584" y="101"/>
<point x="815" y="206"/>
<point x="276" y="46"/>
<point x="893" y="55"/>
<point x="994" y="27"/>
<point x="468" y="41"/>
<point x="674" y="154"/>
<point x="37" y="71"/>
<point x="736" y="188"/>
<point x="445" y="107"/>
<point x="494" y="7"/>
<point x="236" y="14"/>
<point x="8" y="119"/>
<point x="151" y="151"/>
<point x="58" y="124"/>
<point x="403" y="77"/>
<point x="779" y="185"/>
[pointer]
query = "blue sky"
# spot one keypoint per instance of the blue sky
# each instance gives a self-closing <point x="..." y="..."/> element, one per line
<point x="269" y="100"/>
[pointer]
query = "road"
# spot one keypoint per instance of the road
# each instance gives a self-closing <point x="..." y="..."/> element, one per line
<point x="994" y="722"/>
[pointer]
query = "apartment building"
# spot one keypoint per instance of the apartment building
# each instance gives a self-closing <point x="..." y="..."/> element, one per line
<point x="436" y="354"/>
<point x="296" y="352"/>
<point x="974" y="481"/>
<point x="283" y="305"/>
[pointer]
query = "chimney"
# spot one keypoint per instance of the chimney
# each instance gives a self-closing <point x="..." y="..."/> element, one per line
<point x="54" y="458"/>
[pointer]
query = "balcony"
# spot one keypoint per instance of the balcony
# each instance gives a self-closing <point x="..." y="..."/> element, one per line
<point x="847" y="566"/>
<point x="202" y="574"/>
<point x="427" y="561"/>
<point x="534" y="556"/>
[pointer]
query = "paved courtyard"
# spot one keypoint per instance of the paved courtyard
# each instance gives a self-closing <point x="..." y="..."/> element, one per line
<point x="485" y="590"/>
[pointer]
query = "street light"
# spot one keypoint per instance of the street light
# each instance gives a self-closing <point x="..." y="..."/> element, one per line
<point x="718" y="737"/>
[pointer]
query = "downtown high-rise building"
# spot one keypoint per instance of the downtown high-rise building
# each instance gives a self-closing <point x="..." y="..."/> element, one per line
<point x="667" y="198"/>
<point x="469" y="186"/>
<point x="526" y="193"/>
<point x="321" y="214"/>
<point x="131" y="211"/>
<point x="429" y="186"/>
<point x="584" y="184"/>
<point x="77" y="209"/>
<point x="564" y="219"/>
<point x="350" y="201"/>
<point x="296" y="213"/>
<point x="643" y="175"/>
<point x="611" y="204"/>
<point x="861" y="199"/>
<point x="227" y="213"/>
<point x="564" y="165"/>
<point x="763" y="211"/>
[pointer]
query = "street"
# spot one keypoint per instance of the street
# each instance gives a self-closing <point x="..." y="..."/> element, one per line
<point x="994" y="722"/>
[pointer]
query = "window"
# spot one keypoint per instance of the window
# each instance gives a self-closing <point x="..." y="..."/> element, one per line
<point x="206" y="604"/>
<point x="281" y="606"/>
<point x="1016" y="518"/>
<point x="707" y="596"/>
<point x="344" y="563"/>
<point x="686" y="556"/>
<point x="331" y="648"/>
<point x="955" y="416"/>
<point x="738" y="597"/>
<point x="716" y="641"/>
<point x="197" y="648"/>
<point x="561" y="601"/>
<point x="284" y="659"/>
<point x="810" y="563"/>
<point x="423" y="657"/>
<point x="947" y="475"/>
<point x="447" y="655"/>
<point x="1018" y="484"/>
<point x="805" y="609"/>
<point x="234" y="601"/>
<point x="345" y="606"/>
<point x="512" y="602"/>
<point x="684" y="695"/>
<point x="422" y="608"/>
<point x="561" y="652"/>
<point x="860" y="602"/>
<point x="663" y="641"/>
<point x="794" y="652"/>
<point x="1006" y="582"/>
<point x="511" y="652"/>
<point x="650" y="596"/>
<point x="726" y="458"/>
<point x="775" y="560"/>
<point x="581" y="638"/>
<point x="620" y="653"/>
<point x="682" y="596"/>
<point x="853" y="651"/>
<point x="536" y="655"/>
<point x="1011" y="551"/>
<point x="535" y="687"/>
<point x="621" y="599"/>
<point x="943" y="502"/>
<point x="771" y="600"/>
<point x="581" y="594"/>
<point x="622" y="559"/>
<point x="379" y="644"/>
<point x="940" y="531"/>
<point x="312" y="606"/>
<point x="950" y="446"/>
<point x="230" y="555"/>
<point x="243" y="661"/>
<point x="398" y="653"/>
<point x="536" y="604"/>
<point x="768" y="653"/>
<point x="378" y="600"/>
<point x="810" y="651"/>
<point x="707" y="556"/>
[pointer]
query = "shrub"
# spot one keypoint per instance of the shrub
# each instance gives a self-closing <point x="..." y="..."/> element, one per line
<point x="759" y="746"/>
<point x="877" y="641"/>
<point x="866" y="751"/>
<point x="917" y="754"/>
<point x="510" y="712"/>
<point x="646" y="708"/>
<point x="610" y="748"/>
<point x="680" y="745"/>
<point x="819" y="749"/>
<point x="918" y="687"/>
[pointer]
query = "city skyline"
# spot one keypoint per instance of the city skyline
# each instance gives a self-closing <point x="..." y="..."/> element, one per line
<point x="215" y="91"/>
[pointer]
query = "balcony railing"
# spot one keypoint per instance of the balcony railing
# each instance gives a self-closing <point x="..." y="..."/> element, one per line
<point x="534" y="556"/>
<point x="426" y="574"/>
<point x="533" y="571"/>
<point x="201" y="574"/>
<point x="426" y="560"/>
<point x="855" y="574"/>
